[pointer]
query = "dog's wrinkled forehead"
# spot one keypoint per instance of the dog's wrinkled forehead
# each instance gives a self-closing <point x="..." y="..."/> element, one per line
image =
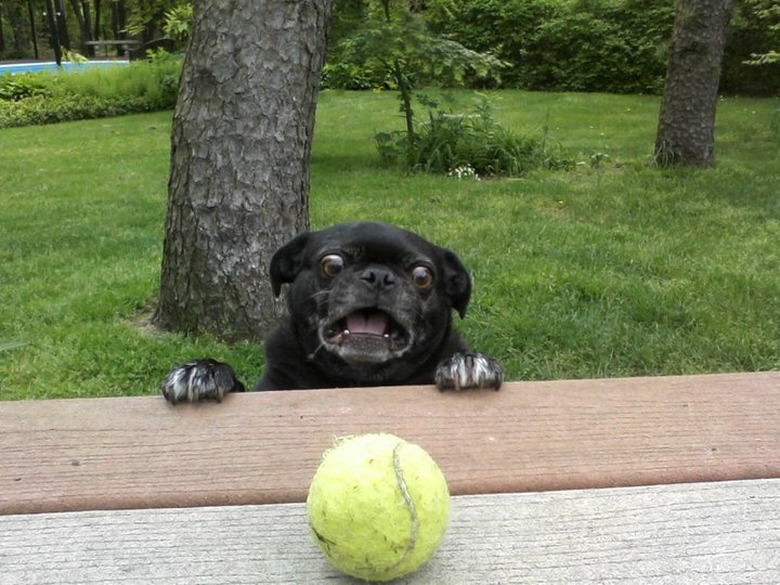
<point x="362" y="243"/>
<point x="371" y="242"/>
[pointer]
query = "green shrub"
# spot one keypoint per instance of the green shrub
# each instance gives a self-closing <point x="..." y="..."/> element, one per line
<point x="616" y="46"/>
<point x="19" y="87"/>
<point x="586" y="45"/>
<point x="350" y="76"/>
<point x="50" y="97"/>
<point x="751" y="34"/>
<point x="502" y="27"/>
<point x="50" y="110"/>
<point x="472" y="144"/>
<point x="587" y="52"/>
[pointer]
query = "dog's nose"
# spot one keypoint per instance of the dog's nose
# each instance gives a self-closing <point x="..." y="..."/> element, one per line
<point x="377" y="277"/>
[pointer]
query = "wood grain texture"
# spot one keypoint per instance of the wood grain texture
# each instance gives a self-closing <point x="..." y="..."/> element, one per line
<point x="258" y="448"/>
<point x="687" y="534"/>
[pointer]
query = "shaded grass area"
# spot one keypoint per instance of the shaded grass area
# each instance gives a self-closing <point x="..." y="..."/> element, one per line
<point x="612" y="269"/>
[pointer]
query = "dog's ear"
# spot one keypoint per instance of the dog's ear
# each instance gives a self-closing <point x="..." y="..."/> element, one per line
<point x="287" y="262"/>
<point x="457" y="281"/>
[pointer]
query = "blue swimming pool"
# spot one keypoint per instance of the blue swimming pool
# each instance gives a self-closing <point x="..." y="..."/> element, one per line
<point x="52" y="66"/>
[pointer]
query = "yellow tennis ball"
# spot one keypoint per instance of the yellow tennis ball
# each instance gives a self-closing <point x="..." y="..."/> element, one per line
<point x="378" y="506"/>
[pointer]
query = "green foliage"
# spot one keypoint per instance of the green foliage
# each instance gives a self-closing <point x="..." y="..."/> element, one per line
<point x="145" y="17"/>
<point x="751" y="63"/>
<point x="766" y="11"/>
<point x="73" y="56"/>
<point x="393" y="48"/>
<point x="51" y="110"/>
<point x="352" y="76"/>
<point x="502" y="26"/>
<point x="394" y="42"/>
<point x="617" y="46"/>
<point x="178" y="23"/>
<point x="19" y="87"/>
<point x="45" y="98"/>
<point x="473" y="144"/>
<point x="587" y="45"/>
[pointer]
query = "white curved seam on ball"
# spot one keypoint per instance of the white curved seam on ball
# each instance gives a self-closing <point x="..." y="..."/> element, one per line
<point x="399" y="476"/>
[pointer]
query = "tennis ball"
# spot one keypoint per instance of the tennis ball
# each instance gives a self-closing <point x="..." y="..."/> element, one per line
<point x="378" y="506"/>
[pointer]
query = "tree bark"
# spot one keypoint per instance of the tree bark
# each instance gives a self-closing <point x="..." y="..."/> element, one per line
<point x="686" y="125"/>
<point x="239" y="176"/>
<point x="2" y="35"/>
<point x="81" y="12"/>
<point x="62" y="24"/>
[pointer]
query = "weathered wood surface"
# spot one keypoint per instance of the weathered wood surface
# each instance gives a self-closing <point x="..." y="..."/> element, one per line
<point x="258" y="448"/>
<point x="686" y="534"/>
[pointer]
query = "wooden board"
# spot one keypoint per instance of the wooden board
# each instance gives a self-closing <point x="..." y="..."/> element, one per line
<point x="112" y="453"/>
<point x="686" y="534"/>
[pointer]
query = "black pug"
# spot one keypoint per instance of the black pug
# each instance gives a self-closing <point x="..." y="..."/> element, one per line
<point x="370" y="304"/>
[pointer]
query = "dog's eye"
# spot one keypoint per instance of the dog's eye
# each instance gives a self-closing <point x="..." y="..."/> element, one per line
<point x="331" y="265"/>
<point x="422" y="276"/>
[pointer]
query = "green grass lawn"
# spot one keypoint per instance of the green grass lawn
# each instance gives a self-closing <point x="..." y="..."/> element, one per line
<point x="612" y="269"/>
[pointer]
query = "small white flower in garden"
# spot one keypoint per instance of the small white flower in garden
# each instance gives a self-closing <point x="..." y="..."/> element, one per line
<point x="463" y="172"/>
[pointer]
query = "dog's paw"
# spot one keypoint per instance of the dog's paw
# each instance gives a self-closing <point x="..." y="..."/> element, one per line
<point x="464" y="371"/>
<point x="198" y="380"/>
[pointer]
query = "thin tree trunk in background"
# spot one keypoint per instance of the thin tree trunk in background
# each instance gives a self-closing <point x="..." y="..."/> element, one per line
<point x="62" y="24"/>
<point x="81" y="11"/>
<point x="2" y="35"/>
<point x="98" y="22"/>
<point x="686" y="125"/>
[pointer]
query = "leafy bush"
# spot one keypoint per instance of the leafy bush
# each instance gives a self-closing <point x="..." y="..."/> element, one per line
<point x="19" y="87"/>
<point x="755" y="31"/>
<point x="47" y="110"/>
<point x="351" y="76"/>
<point x="472" y="144"/>
<point x="586" y="45"/>
<point x="178" y="22"/>
<point x="49" y="97"/>
<point x="616" y="46"/>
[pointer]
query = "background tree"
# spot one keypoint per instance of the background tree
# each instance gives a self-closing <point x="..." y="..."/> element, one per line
<point x="686" y="126"/>
<point x="146" y="17"/>
<point x="84" y="18"/>
<point x="239" y="176"/>
<point x="393" y="40"/>
<point x="178" y="23"/>
<point x="767" y="11"/>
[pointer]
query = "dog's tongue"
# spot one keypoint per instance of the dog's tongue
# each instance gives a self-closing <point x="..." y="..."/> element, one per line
<point x="370" y="323"/>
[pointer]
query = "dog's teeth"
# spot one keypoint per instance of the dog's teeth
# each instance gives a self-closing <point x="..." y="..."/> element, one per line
<point x="345" y="332"/>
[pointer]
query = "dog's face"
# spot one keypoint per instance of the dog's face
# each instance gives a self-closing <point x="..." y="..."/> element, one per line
<point x="370" y="300"/>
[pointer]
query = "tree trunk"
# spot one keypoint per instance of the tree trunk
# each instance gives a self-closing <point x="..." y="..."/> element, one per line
<point x="686" y="125"/>
<point x="2" y="35"/>
<point x="16" y="19"/>
<point x="98" y="23"/>
<point x="81" y="11"/>
<point x="118" y="19"/>
<point x="62" y="24"/>
<point x="239" y="177"/>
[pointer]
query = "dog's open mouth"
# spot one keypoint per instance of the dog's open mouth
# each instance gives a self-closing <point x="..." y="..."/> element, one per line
<point x="367" y="336"/>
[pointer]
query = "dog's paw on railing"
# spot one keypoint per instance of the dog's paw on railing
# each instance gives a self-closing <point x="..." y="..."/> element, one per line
<point x="465" y="371"/>
<point x="203" y="379"/>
